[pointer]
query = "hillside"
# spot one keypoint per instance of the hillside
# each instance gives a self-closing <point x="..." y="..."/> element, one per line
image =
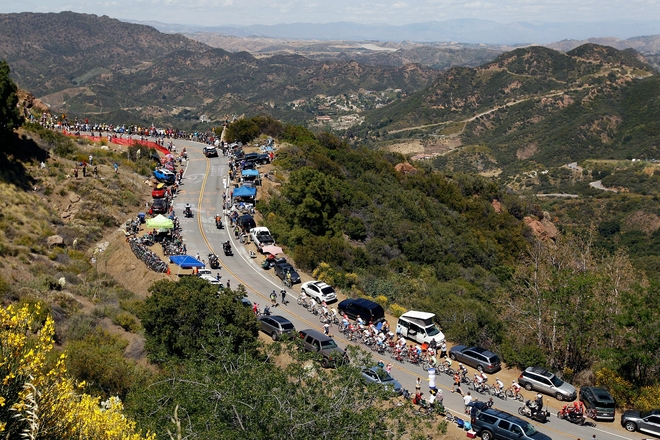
<point x="532" y="104"/>
<point x="85" y="65"/>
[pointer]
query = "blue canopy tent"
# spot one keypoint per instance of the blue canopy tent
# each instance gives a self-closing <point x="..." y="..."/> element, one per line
<point x="185" y="262"/>
<point x="244" y="192"/>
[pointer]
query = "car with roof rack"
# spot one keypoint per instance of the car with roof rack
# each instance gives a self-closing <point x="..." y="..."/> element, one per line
<point x="540" y="379"/>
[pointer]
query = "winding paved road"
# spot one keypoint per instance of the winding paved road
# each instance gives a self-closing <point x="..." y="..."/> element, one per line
<point x="203" y="187"/>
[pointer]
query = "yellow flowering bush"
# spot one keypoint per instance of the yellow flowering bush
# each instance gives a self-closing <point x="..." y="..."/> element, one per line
<point x="40" y="401"/>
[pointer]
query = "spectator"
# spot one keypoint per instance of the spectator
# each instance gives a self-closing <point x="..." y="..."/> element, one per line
<point x="466" y="401"/>
<point x="116" y="168"/>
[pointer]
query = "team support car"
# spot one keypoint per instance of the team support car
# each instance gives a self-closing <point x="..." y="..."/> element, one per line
<point x="159" y="191"/>
<point x="319" y="290"/>
<point x="378" y="375"/>
<point x="163" y="175"/>
<point x="600" y="400"/>
<point x="276" y="326"/>
<point x="159" y="206"/>
<point x="540" y="379"/>
<point x="210" y="151"/>
<point x="476" y="357"/>
<point x="643" y="421"/>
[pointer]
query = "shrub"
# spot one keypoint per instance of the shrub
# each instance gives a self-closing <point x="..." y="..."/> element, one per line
<point x="382" y="300"/>
<point x="126" y="321"/>
<point x="397" y="310"/>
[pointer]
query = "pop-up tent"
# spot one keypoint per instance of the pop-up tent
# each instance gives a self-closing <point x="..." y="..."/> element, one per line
<point x="186" y="261"/>
<point x="160" y="222"/>
<point x="250" y="177"/>
<point x="244" y="192"/>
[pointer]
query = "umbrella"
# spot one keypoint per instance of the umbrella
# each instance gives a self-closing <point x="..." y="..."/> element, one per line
<point x="271" y="249"/>
<point x="160" y="222"/>
<point x="169" y="156"/>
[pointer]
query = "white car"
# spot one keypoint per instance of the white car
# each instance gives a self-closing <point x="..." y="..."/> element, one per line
<point x="318" y="290"/>
<point x="211" y="279"/>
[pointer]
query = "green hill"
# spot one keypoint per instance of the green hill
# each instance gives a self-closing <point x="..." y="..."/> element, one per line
<point x="536" y="104"/>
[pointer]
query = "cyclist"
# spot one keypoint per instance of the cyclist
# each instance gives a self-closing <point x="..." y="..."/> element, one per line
<point x="515" y="387"/>
<point x="478" y="381"/>
<point x="288" y="278"/>
<point x="463" y="370"/>
<point x="433" y="361"/>
<point x="273" y="298"/>
<point x="499" y="384"/>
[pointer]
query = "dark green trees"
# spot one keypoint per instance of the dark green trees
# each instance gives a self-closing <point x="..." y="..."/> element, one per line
<point x="9" y="113"/>
<point x="190" y="317"/>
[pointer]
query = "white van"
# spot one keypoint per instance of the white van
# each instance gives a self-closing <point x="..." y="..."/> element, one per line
<point x="419" y="327"/>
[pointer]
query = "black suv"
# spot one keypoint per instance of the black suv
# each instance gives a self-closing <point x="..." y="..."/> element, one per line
<point x="494" y="424"/>
<point x="316" y="342"/>
<point x="367" y="310"/>
<point x="600" y="400"/>
<point x="282" y="268"/>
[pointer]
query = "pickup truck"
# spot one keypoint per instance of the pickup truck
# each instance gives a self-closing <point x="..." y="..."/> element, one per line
<point x="261" y="237"/>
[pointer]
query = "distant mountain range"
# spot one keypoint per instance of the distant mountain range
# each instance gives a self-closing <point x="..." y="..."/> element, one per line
<point x="472" y="31"/>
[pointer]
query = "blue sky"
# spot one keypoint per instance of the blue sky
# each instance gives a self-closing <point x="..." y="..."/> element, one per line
<point x="222" y="12"/>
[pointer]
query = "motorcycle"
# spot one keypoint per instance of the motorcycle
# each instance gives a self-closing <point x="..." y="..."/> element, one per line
<point x="187" y="212"/>
<point x="529" y="410"/>
<point x="568" y="413"/>
<point x="218" y="222"/>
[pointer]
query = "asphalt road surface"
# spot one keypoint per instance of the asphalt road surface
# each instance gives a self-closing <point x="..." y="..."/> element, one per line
<point x="203" y="187"/>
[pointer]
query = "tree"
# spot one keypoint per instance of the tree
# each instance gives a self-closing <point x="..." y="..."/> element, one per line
<point x="189" y="317"/>
<point x="37" y="398"/>
<point x="9" y="113"/>
<point x="238" y="396"/>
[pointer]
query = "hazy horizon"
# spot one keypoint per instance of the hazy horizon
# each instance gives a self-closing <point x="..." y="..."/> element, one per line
<point x="389" y="12"/>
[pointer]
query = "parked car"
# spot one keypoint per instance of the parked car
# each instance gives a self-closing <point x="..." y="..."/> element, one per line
<point x="366" y="309"/>
<point x="476" y="357"/>
<point x="492" y="424"/>
<point x="282" y="268"/>
<point x="376" y="374"/>
<point x="540" y="379"/>
<point x="600" y="400"/>
<point x="211" y="279"/>
<point x="159" y="206"/>
<point x="261" y="159"/>
<point x="643" y="421"/>
<point x="317" y="342"/>
<point x="420" y="327"/>
<point x="159" y="191"/>
<point x="319" y="290"/>
<point x="276" y="326"/>
<point x="163" y="175"/>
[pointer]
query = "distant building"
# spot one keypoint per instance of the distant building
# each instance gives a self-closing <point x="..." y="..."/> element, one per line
<point x="323" y="119"/>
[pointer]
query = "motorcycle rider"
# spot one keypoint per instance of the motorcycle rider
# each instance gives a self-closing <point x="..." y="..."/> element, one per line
<point x="535" y="406"/>
<point x="187" y="210"/>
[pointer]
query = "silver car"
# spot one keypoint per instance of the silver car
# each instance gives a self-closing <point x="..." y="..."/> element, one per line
<point x="644" y="421"/>
<point x="540" y="379"/>
<point x="276" y="326"/>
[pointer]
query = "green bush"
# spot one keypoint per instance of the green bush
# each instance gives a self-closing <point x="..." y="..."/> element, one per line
<point x="126" y="321"/>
